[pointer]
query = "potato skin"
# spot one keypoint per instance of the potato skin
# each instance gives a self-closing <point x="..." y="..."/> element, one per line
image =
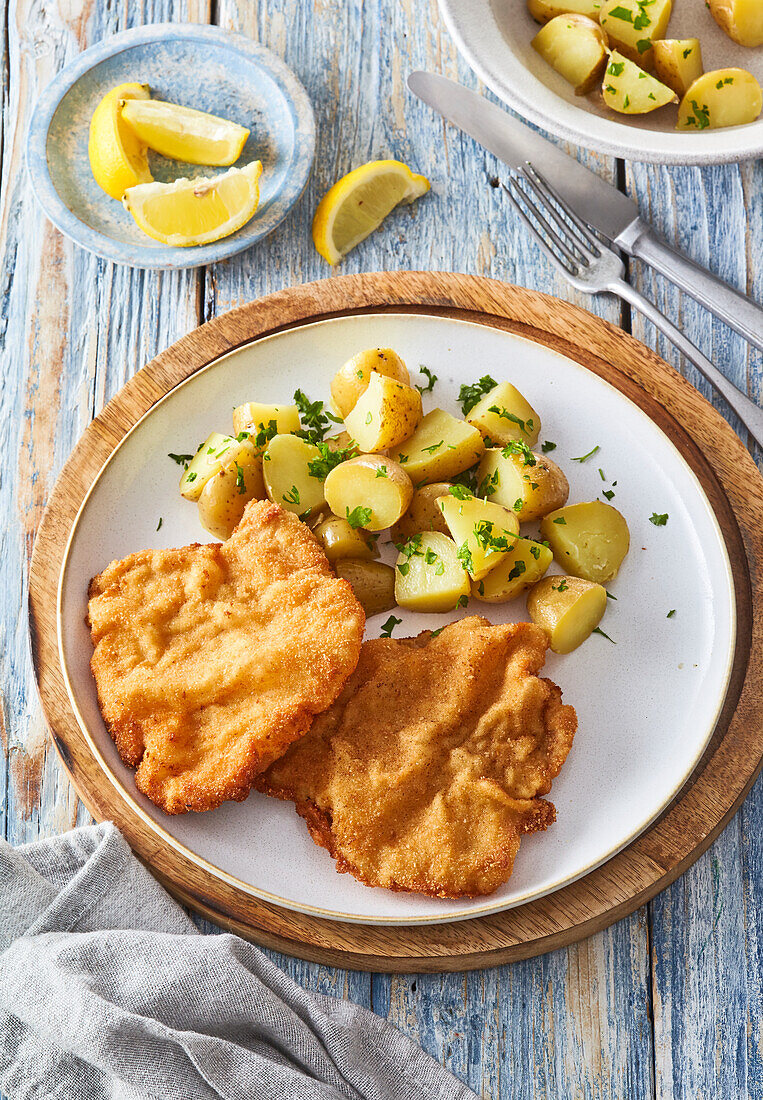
<point x="576" y="47"/>
<point x="226" y="494"/>
<point x="339" y="540"/>
<point x="544" y="10"/>
<point x="724" y="97"/>
<point x="678" y="62"/>
<point x="568" y="608"/>
<point x="539" y="483"/>
<point x="423" y="514"/>
<point x="589" y="540"/>
<point x="373" y="583"/>
<point x="369" y="481"/>
<point x="742" y="20"/>
<point x="385" y="414"/>
<point x="351" y="380"/>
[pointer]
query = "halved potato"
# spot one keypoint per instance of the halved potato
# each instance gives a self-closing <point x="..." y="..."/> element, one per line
<point x="441" y="447"/>
<point x="424" y="513"/>
<point x="568" y="608"/>
<point x="678" y="62"/>
<point x="342" y="441"/>
<point x="252" y="417"/>
<point x="288" y="481"/>
<point x="373" y="583"/>
<point x="482" y="531"/>
<point x="504" y="415"/>
<point x="588" y="540"/>
<point x="385" y="414"/>
<point x="520" y="568"/>
<point x="633" y="25"/>
<point x="429" y="575"/>
<point x="372" y="489"/>
<point x="543" y="10"/>
<point x="227" y="493"/>
<point x="742" y="20"/>
<point x="216" y="451"/>
<point x="576" y="47"/>
<point x="725" y="97"/>
<point x="340" y="540"/>
<point x="628" y="90"/>
<point x="529" y="484"/>
<point x="351" y="380"/>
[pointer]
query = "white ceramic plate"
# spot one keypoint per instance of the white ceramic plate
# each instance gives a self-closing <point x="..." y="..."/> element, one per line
<point x="647" y="702"/>
<point x="494" y="37"/>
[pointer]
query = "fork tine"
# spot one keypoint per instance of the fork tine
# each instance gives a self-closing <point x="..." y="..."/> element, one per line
<point x="574" y="257"/>
<point x="563" y="268"/>
<point x="574" y="239"/>
<point x="550" y="193"/>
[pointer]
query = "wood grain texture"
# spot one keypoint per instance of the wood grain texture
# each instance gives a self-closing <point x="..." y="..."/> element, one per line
<point x="658" y="856"/>
<point x="535" y="1040"/>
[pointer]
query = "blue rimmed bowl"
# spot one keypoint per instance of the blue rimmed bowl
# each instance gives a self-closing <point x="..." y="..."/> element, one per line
<point x="197" y="66"/>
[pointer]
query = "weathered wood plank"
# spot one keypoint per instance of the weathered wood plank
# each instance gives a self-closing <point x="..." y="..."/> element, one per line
<point x="706" y="928"/>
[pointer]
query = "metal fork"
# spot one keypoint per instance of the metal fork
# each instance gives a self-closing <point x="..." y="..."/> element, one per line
<point x="591" y="266"/>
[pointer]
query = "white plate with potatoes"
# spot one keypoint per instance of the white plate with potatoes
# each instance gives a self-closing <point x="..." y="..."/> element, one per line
<point x="697" y="102"/>
<point x="648" y="685"/>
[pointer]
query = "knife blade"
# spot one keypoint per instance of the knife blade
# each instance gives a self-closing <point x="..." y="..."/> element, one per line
<point x="593" y="199"/>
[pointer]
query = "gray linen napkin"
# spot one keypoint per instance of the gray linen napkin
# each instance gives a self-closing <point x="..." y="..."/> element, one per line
<point x="107" y="990"/>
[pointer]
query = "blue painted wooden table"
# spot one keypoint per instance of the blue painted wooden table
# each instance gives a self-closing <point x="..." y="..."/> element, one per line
<point x="664" y="1004"/>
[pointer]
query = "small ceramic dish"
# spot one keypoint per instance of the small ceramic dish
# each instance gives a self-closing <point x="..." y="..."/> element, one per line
<point x="194" y="65"/>
<point x="494" y="36"/>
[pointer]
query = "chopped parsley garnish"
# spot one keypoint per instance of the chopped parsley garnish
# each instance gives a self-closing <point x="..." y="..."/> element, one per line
<point x="192" y="476"/>
<point x="460" y="492"/>
<point x="292" y="497"/>
<point x="382" y="472"/>
<point x="468" y="479"/>
<point x="561" y="520"/>
<point x="659" y="520"/>
<point x="687" y="51"/>
<point x="518" y="504"/>
<point x="314" y="418"/>
<point x="389" y="626"/>
<point x="468" y="396"/>
<point x="562" y="586"/>
<point x="535" y="551"/>
<point x="526" y="426"/>
<point x="601" y="474"/>
<point x="547" y="446"/>
<point x="240" y="483"/>
<point x="321" y="467"/>
<point x="608" y="493"/>
<point x="435" y="447"/>
<point x="621" y="13"/>
<point x="598" y="631"/>
<point x="519" y="447"/>
<point x="436" y="632"/>
<point x="615" y="68"/>
<point x="626" y="102"/>
<point x="263" y="434"/>
<point x="464" y="555"/>
<point x="643" y="45"/>
<point x="440" y="569"/>
<point x="670" y="614"/>
<point x="369" y="417"/>
<point x="462" y="601"/>
<point x="359" y="516"/>
<point x="609" y="595"/>
<point x="161" y="521"/>
<point x="583" y="458"/>
<point x="489" y="484"/>
<point x="402" y="459"/>
<point x="483" y="533"/>
<point x="517" y="570"/>
<point x="431" y="379"/>
<point x="430" y="557"/>
<point x="410" y="548"/>
<point x="701" y="116"/>
<point x="182" y="460"/>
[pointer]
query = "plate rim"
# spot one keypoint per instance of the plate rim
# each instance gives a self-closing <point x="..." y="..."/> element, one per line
<point x="165" y="257"/>
<point x="611" y="141"/>
<point x="489" y="909"/>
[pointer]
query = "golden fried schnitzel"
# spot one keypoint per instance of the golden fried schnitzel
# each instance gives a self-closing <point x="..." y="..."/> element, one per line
<point x="211" y="660"/>
<point x="426" y="771"/>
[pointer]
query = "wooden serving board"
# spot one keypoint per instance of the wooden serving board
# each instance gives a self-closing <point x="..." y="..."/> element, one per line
<point x="697" y="815"/>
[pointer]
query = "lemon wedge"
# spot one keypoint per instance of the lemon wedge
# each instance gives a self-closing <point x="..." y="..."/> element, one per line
<point x="117" y="155"/>
<point x="183" y="133"/>
<point x="199" y="211"/>
<point x="359" y="202"/>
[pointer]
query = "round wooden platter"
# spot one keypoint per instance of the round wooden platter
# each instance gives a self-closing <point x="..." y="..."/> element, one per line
<point x="698" y="813"/>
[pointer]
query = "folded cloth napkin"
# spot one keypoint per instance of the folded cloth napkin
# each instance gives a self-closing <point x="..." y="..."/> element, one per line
<point x="107" y="990"/>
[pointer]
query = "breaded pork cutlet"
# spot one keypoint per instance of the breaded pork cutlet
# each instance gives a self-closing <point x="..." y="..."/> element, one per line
<point x="211" y="660"/>
<point x="427" y="770"/>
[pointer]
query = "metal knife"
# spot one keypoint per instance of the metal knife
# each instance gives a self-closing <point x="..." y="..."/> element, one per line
<point x="593" y="199"/>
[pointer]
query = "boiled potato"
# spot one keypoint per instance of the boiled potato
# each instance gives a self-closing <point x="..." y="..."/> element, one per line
<point x="576" y="47"/>
<point x="520" y="568"/>
<point x="340" y="540"/>
<point x="441" y="447"/>
<point x="742" y="20"/>
<point x="373" y="583"/>
<point x="216" y="450"/>
<point x="529" y="484"/>
<point x="725" y="97"/>
<point x="251" y="417"/>
<point x="385" y="414"/>
<point x="429" y="575"/>
<point x="568" y="608"/>
<point x="371" y="489"/>
<point x="543" y="10"/>
<point x="424" y="513"/>
<point x="628" y="90"/>
<point x="343" y="441"/>
<point x="678" y="62"/>
<point x="351" y="380"/>
<point x="288" y="481"/>
<point x="633" y="25"/>
<point x="227" y="493"/>
<point x="503" y="415"/>
<point x="588" y="540"/>
<point x="483" y="532"/>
